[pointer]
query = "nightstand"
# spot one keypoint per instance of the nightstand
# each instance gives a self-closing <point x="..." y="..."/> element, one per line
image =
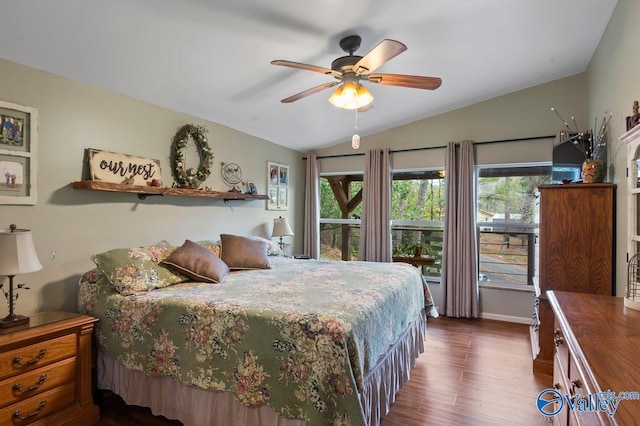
<point x="45" y="371"/>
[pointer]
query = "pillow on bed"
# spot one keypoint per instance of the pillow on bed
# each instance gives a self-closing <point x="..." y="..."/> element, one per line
<point x="133" y="270"/>
<point x="212" y="246"/>
<point x="244" y="253"/>
<point x="198" y="263"/>
<point x="273" y="249"/>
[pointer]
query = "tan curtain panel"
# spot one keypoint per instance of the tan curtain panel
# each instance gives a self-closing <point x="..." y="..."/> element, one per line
<point x="311" y="237"/>
<point x="459" y="257"/>
<point x="375" y="227"/>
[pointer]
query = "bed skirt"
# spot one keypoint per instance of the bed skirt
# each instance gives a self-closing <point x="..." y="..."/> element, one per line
<point x="198" y="407"/>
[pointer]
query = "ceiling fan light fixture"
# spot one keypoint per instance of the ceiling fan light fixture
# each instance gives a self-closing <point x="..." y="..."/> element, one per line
<point x="351" y="95"/>
<point x="364" y="97"/>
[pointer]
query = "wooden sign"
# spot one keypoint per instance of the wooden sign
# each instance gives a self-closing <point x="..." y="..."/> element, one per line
<point x="122" y="168"/>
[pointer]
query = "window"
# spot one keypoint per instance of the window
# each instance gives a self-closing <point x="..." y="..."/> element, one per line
<point x="507" y="222"/>
<point x="340" y="211"/>
<point x="417" y="202"/>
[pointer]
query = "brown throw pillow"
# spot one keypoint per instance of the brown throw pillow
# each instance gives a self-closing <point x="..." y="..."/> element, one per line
<point x="244" y="253"/>
<point x="197" y="263"/>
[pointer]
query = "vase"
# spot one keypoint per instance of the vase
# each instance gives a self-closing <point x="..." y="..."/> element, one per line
<point x="593" y="171"/>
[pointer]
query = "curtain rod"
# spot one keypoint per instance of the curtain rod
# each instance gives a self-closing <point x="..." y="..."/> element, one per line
<point x="425" y="148"/>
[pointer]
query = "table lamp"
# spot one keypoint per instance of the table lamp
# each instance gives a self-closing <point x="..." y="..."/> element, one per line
<point x="281" y="229"/>
<point x="17" y="256"/>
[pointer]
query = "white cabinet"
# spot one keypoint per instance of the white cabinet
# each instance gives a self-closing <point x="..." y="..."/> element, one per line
<point x="632" y="139"/>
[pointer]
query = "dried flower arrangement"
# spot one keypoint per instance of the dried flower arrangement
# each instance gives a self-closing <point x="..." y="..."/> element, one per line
<point x="592" y="146"/>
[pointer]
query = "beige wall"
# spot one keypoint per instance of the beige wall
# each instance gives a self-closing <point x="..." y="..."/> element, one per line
<point x="75" y="224"/>
<point x="613" y="84"/>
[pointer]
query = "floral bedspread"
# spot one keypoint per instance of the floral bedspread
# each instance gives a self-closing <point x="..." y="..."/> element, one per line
<point x="297" y="337"/>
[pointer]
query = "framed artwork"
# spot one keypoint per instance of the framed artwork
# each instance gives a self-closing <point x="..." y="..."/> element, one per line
<point x="278" y="187"/>
<point x="18" y="143"/>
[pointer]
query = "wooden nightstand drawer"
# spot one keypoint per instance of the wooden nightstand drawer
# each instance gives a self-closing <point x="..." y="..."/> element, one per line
<point x="33" y="356"/>
<point x="36" y="381"/>
<point x="39" y="406"/>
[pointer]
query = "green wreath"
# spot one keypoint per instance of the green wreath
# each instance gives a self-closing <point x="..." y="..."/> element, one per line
<point x="190" y="177"/>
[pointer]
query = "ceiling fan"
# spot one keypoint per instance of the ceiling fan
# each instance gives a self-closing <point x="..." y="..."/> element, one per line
<point x="351" y="69"/>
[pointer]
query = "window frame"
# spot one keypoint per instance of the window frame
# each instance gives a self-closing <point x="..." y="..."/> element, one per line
<point x="534" y="226"/>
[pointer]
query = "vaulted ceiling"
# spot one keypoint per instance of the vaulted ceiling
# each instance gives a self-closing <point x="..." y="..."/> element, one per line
<point x="211" y="58"/>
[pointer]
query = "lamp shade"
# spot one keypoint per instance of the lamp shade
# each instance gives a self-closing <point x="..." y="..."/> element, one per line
<point x="281" y="227"/>
<point x="17" y="253"/>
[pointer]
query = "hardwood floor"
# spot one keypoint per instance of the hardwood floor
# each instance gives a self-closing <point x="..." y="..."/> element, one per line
<point x="473" y="372"/>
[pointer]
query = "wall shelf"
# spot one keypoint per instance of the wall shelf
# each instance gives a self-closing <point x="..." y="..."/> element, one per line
<point x="145" y="191"/>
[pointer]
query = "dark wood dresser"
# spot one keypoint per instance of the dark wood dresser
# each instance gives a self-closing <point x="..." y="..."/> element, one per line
<point x="45" y="371"/>
<point x="575" y="253"/>
<point x="596" y="342"/>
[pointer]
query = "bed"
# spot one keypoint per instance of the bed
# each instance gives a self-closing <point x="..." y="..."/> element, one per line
<point x="296" y="342"/>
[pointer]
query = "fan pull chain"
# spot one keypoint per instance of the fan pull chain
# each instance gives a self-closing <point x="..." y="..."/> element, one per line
<point x="355" y="139"/>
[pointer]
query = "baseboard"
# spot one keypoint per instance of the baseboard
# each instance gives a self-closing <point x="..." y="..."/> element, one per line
<point x="506" y="318"/>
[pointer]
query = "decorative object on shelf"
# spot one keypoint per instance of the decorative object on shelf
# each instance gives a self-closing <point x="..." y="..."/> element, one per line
<point x="278" y="188"/>
<point x="632" y="298"/>
<point x="593" y="171"/>
<point x="114" y="167"/>
<point x="251" y="188"/>
<point x="18" y="256"/>
<point x="593" y="147"/>
<point x="189" y="177"/>
<point x="232" y="176"/>
<point x="281" y="229"/>
<point x="18" y="143"/>
<point x="634" y="120"/>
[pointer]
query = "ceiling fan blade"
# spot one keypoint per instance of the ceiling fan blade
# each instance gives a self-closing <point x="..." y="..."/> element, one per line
<point x="402" y="80"/>
<point x="308" y="92"/>
<point x="306" y="67"/>
<point x="387" y="49"/>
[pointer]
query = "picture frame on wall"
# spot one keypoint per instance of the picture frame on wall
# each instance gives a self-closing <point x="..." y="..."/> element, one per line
<point x="278" y="186"/>
<point x="18" y="148"/>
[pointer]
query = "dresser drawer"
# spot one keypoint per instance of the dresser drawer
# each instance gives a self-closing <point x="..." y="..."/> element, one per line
<point x="580" y="387"/>
<point x="34" y="356"/>
<point x="28" y="384"/>
<point x="560" y="384"/>
<point x="39" y="406"/>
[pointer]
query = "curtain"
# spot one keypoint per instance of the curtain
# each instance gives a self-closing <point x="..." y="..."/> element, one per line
<point x="375" y="226"/>
<point x="311" y="237"/>
<point x="459" y="256"/>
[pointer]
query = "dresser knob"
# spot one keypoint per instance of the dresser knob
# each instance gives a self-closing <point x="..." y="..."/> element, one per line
<point x="575" y="384"/>
<point x="558" y="340"/>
